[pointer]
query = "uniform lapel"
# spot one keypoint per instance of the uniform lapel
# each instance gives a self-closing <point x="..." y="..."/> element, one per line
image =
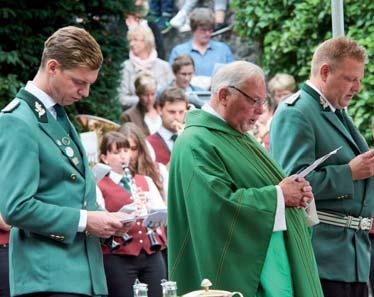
<point x="332" y="118"/>
<point x="53" y="129"/>
<point x="64" y="142"/>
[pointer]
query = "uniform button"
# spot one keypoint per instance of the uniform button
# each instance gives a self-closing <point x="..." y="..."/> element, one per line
<point x="138" y="223"/>
<point x="365" y="203"/>
<point x="141" y="240"/>
<point x="73" y="176"/>
<point x="140" y="232"/>
<point x="85" y="204"/>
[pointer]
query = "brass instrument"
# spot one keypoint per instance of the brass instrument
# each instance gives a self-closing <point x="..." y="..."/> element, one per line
<point x="100" y="126"/>
<point x="97" y="124"/>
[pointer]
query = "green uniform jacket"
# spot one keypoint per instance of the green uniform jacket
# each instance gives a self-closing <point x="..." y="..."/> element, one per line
<point x="42" y="192"/>
<point x="221" y="210"/>
<point x="303" y="130"/>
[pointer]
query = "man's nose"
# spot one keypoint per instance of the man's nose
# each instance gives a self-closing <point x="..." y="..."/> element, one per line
<point x="356" y="86"/>
<point x="84" y="92"/>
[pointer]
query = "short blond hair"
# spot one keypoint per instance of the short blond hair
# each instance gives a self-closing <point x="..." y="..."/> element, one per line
<point x="72" y="47"/>
<point x="142" y="30"/>
<point x="144" y="82"/>
<point x="282" y="81"/>
<point x="334" y="50"/>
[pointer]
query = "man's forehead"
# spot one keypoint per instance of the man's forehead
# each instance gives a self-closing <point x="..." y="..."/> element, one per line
<point x="169" y="105"/>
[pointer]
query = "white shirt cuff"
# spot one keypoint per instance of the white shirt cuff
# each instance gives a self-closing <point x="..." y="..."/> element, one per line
<point x="280" y="218"/>
<point x="82" y="220"/>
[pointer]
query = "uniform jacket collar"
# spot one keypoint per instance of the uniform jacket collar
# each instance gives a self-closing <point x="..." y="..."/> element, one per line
<point x="352" y="135"/>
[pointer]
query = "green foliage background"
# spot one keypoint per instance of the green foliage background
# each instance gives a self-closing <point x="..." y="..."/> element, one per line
<point x="25" y="25"/>
<point x="288" y="32"/>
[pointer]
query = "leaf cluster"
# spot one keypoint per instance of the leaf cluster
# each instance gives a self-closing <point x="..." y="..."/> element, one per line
<point x="288" y="31"/>
<point x="24" y="27"/>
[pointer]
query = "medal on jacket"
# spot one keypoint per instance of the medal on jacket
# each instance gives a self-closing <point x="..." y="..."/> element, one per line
<point x="323" y="102"/>
<point x="39" y="109"/>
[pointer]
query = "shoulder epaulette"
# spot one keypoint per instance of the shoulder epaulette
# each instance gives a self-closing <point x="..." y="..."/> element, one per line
<point x="290" y="100"/>
<point x="11" y="106"/>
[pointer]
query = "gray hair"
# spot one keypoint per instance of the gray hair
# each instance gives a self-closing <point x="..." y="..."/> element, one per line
<point x="235" y="74"/>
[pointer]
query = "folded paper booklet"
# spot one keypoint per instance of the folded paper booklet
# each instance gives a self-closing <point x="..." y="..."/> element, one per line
<point x="311" y="210"/>
<point x="154" y="219"/>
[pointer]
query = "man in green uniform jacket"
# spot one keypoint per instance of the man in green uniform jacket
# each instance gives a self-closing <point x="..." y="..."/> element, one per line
<point x="312" y="123"/>
<point x="48" y="192"/>
<point x="227" y="217"/>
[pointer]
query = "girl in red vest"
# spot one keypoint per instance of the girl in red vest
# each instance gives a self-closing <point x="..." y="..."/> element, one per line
<point x="140" y="256"/>
<point x="142" y="163"/>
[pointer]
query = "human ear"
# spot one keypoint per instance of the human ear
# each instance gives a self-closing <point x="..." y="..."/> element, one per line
<point x="223" y="95"/>
<point x="324" y="71"/>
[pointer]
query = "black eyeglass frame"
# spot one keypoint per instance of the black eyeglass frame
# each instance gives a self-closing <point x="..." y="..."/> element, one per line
<point x="249" y="98"/>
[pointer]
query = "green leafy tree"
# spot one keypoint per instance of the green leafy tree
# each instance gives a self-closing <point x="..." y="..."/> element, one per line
<point x="25" y="25"/>
<point x="288" y="31"/>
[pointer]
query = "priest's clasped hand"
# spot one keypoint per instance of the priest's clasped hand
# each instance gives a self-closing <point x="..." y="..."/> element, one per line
<point x="297" y="191"/>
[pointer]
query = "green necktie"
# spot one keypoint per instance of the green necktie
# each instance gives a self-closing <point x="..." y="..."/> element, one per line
<point x="173" y="137"/>
<point x="62" y="118"/>
<point x="125" y="184"/>
<point x="340" y="113"/>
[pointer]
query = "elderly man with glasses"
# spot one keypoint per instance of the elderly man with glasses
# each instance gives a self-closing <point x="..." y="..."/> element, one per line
<point x="233" y="216"/>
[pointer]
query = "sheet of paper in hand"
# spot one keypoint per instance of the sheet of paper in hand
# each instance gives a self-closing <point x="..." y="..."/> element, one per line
<point x="317" y="162"/>
<point x="155" y="219"/>
<point x="311" y="210"/>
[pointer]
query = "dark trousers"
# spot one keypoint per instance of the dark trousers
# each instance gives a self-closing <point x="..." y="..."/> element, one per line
<point x="122" y="271"/>
<point x="4" y="271"/>
<point x="371" y="237"/>
<point x="160" y="7"/>
<point x="46" y="294"/>
<point x="343" y="289"/>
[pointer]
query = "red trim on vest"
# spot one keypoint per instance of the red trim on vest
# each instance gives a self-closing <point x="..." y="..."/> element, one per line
<point x="4" y="237"/>
<point x="162" y="151"/>
<point x="115" y="197"/>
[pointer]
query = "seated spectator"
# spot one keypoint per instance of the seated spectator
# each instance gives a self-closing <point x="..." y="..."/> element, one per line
<point x="205" y="52"/>
<point x="281" y="86"/>
<point x="144" y="114"/>
<point x="138" y="17"/>
<point x="183" y="68"/>
<point x="143" y="58"/>
<point x="172" y="107"/>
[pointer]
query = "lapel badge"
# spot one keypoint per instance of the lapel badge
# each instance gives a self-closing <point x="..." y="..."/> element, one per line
<point x="323" y="102"/>
<point x="65" y="140"/>
<point x="75" y="161"/>
<point x="39" y="109"/>
<point x="69" y="151"/>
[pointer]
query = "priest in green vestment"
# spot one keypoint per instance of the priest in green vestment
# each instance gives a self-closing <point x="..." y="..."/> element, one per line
<point x="234" y="217"/>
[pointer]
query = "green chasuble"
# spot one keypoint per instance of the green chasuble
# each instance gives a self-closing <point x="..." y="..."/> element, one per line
<point x="221" y="210"/>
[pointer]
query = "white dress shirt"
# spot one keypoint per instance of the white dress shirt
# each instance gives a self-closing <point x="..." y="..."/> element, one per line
<point x="166" y="136"/>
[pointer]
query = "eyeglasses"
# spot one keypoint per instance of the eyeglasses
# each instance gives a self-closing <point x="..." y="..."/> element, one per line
<point x="249" y="98"/>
